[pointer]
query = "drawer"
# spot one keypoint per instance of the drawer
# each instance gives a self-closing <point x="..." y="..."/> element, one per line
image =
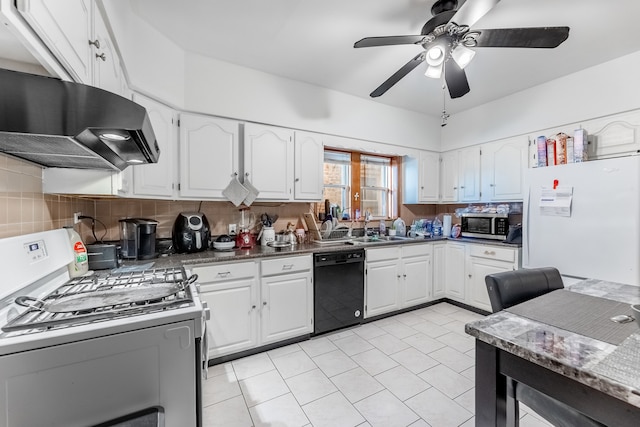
<point x="416" y="250"/>
<point x="381" y="254"/>
<point x="225" y="272"/>
<point x="285" y="265"/>
<point x="493" y="252"/>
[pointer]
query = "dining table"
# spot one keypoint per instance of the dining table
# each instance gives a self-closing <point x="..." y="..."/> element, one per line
<point x="579" y="345"/>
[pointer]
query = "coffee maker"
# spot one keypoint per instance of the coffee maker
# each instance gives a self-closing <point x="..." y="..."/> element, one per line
<point x="138" y="238"/>
<point x="191" y="232"/>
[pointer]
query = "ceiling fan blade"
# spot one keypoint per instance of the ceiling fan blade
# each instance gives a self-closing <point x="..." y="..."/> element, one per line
<point x="472" y="10"/>
<point x="456" y="79"/>
<point x="541" y="37"/>
<point x="395" y="78"/>
<point x="388" y="41"/>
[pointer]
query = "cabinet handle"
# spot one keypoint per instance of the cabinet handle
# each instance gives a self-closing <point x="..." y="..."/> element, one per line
<point x="422" y="188"/>
<point x="404" y="275"/>
<point x="297" y="179"/>
<point x="95" y="43"/>
<point x="492" y="185"/>
<point x="253" y="307"/>
<point x="224" y="274"/>
<point x="102" y="56"/>
<point x="264" y="303"/>
<point x="489" y="252"/>
<point x="246" y="174"/>
<point x="469" y="276"/>
<point x="287" y="266"/>
<point x="398" y="276"/>
<point x="462" y="187"/>
<point x="455" y="188"/>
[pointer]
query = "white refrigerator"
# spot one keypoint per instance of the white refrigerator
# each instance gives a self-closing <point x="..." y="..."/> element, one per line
<point x="589" y="227"/>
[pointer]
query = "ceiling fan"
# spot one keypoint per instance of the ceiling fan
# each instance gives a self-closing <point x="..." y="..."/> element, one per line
<point x="447" y="39"/>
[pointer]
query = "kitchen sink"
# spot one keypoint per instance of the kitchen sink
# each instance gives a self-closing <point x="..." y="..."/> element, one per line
<point x="379" y="239"/>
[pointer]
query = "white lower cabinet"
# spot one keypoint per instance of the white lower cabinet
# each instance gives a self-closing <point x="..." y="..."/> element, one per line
<point x="483" y="260"/>
<point x="397" y="277"/>
<point x="439" y="269"/>
<point x="286" y="298"/>
<point x="256" y="303"/>
<point x="454" y="271"/>
<point x="231" y="291"/>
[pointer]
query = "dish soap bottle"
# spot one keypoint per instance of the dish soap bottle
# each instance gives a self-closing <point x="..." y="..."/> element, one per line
<point x="80" y="263"/>
<point x="437" y="227"/>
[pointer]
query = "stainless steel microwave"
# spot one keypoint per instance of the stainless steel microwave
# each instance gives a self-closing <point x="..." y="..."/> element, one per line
<point x="485" y="225"/>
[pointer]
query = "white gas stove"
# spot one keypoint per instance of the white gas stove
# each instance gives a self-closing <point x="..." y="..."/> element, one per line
<point x="89" y="350"/>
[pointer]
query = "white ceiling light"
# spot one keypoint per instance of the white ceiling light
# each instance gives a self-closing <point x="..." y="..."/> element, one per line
<point x="435" y="55"/>
<point x="462" y="55"/>
<point x="434" y="71"/>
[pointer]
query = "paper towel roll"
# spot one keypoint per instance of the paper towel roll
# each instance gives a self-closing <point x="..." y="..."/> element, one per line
<point x="446" y="225"/>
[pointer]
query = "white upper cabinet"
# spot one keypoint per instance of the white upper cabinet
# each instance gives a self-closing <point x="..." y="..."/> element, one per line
<point x="268" y="161"/>
<point x="107" y="71"/>
<point x="65" y="26"/>
<point x="209" y="155"/>
<point x="503" y="166"/>
<point x="469" y="178"/>
<point x="75" y="32"/>
<point x="157" y="179"/>
<point x="449" y="176"/>
<point x="429" y="177"/>
<point x="308" y="167"/>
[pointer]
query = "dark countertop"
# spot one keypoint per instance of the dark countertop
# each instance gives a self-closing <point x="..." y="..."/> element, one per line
<point x="614" y="370"/>
<point x="212" y="256"/>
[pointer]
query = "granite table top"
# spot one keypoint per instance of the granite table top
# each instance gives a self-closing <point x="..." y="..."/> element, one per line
<point x="611" y="369"/>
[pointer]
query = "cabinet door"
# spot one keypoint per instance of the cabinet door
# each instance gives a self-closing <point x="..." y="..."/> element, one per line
<point x="429" y="175"/>
<point x="308" y="168"/>
<point x="416" y="275"/>
<point x="157" y="180"/>
<point x="454" y="271"/>
<point x="268" y="160"/>
<point x="209" y="155"/>
<point x="286" y="307"/>
<point x="477" y="269"/>
<point x="381" y="291"/>
<point x="449" y="176"/>
<point x="503" y="166"/>
<point x="469" y="181"/>
<point x="65" y="27"/>
<point x="233" y="325"/>
<point x="439" y="276"/>
<point x="107" y="72"/>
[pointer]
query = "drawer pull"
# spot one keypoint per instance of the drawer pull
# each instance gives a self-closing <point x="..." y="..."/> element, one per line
<point x="489" y="252"/>
<point x="224" y="274"/>
<point x="287" y="266"/>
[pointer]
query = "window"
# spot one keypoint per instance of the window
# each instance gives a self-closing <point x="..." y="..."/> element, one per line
<point x="355" y="183"/>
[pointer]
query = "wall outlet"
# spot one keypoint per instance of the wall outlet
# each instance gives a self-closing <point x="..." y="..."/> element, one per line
<point x="76" y="217"/>
<point x="233" y="229"/>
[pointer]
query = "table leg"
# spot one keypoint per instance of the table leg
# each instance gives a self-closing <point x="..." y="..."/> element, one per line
<point x="491" y="388"/>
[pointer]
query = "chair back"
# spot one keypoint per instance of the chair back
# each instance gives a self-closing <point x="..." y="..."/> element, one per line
<point x="513" y="287"/>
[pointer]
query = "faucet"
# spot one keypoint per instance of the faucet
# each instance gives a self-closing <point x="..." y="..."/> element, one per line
<point x="367" y="220"/>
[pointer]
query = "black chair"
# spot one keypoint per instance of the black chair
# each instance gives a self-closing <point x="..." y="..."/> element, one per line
<point x="514" y="287"/>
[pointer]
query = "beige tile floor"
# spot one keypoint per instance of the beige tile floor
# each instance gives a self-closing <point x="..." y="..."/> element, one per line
<point x="412" y="369"/>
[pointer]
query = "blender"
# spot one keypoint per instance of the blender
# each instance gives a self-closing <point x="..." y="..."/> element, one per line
<point x="245" y="239"/>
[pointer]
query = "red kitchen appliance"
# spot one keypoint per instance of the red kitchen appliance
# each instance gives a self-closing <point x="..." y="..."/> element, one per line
<point x="245" y="240"/>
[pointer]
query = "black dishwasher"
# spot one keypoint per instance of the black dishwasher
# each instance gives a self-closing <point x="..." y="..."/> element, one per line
<point x="338" y="291"/>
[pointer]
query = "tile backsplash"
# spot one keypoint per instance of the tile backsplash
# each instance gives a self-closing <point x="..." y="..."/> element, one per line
<point x="25" y="209"/>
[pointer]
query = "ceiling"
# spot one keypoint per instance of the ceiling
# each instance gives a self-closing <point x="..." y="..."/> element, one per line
<point x="312" y="41"/>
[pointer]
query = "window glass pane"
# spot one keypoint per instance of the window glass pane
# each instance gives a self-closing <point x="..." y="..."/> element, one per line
<point x="375" y="180"/>
<point x="337" y="181"/>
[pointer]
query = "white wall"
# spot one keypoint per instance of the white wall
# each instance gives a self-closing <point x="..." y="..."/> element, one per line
<point x="224" y="89"/>
<point x="153" y="63"/>
<point x="604" y="89"/>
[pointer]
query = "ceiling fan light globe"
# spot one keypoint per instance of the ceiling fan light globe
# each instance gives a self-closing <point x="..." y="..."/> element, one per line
<point x="434" y="72"/>
<point x="435" y="56"/>
<point x="462" y="55"/>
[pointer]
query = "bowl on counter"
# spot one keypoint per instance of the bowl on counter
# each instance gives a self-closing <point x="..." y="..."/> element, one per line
<point x="224" y="243"/>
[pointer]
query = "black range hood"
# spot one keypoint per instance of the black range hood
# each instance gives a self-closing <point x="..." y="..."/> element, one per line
<point x="63" y="124"/>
